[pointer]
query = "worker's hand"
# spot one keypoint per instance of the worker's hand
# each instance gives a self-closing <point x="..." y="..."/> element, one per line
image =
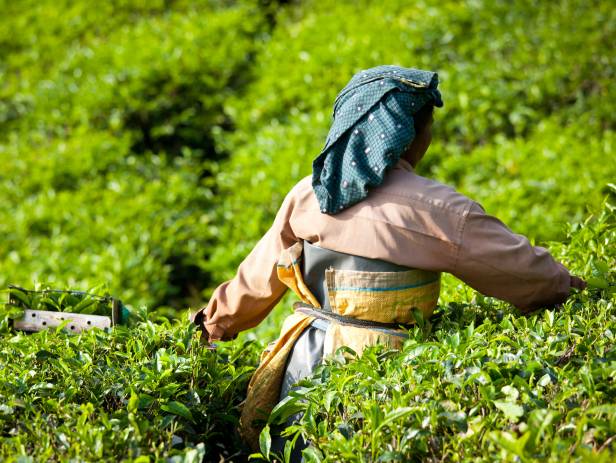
<point x="197" y="318"/>
<point x="577" y="283"/>
<point x="574" y="282"/>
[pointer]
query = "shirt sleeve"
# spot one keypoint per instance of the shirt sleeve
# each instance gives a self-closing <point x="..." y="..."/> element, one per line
<point x="244" y="301"/>
<point x="499" y="263"/>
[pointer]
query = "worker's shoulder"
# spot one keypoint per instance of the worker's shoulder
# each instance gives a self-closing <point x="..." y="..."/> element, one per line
<point x="424" y="192"/>
<point x="404" y="188"/>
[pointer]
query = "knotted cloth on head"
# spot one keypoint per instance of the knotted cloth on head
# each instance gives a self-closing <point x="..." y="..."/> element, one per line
<point x="373" y="125"/>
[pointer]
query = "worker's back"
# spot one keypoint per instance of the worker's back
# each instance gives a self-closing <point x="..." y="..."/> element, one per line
<point x="409" y="220"/>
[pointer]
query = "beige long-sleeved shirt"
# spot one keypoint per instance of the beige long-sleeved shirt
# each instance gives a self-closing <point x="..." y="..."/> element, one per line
<point x="408" y="220"/>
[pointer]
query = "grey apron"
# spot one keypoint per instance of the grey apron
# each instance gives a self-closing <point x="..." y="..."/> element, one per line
<point x="307" y="353"/>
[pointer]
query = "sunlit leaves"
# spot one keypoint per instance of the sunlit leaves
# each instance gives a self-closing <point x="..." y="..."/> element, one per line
<point x="120" y="395"/>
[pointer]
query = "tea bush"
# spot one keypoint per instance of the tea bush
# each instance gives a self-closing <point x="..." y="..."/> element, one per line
<point x="148" y="145"/>
<point x="104" y="162"/>
<point x="144" y="393"/>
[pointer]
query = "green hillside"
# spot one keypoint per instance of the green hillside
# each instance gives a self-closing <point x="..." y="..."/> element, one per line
<point x="146" y="146"/>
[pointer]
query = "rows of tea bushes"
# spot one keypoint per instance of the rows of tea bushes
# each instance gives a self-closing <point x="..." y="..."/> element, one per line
<point x="116" y="123"/>
<point x="107" y="124"/>
<point x="146" y="146"/>
<point x="143" y="393"/>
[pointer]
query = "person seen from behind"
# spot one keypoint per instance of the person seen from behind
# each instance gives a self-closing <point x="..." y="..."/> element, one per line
<point x="363" y="242"/>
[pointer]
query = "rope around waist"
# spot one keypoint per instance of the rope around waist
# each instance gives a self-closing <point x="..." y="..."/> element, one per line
<point x="391" y="329"/>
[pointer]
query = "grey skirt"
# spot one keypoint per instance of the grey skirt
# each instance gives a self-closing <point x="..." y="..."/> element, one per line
<point x="306" y="355"/>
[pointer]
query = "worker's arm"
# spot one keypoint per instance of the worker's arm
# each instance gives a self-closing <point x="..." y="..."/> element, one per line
<point x="245" y="300"/>
<point x="497" y="262"/>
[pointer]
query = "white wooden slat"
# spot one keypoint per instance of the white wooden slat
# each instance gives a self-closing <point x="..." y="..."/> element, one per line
<point x="37" y="320"/>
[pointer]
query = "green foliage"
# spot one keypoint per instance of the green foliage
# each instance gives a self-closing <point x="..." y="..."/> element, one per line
<point x="147" y="146"/>
<point x="147" y="392"/>
<point x="538" y="184"/>
<point x="106" y="158"/>
<point x="59" y="301"/>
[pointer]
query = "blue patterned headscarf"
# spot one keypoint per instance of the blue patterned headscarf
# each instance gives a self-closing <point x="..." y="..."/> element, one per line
<point x="373" y="125"/>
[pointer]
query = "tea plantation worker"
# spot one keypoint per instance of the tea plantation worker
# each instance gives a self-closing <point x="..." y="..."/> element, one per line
<point x="363" y="241"/>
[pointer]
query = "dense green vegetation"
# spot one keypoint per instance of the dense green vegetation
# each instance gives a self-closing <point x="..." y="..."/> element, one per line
<point x="143" y="393"/>
<point x="107" y="137"/>
<point x="147" y="145"/>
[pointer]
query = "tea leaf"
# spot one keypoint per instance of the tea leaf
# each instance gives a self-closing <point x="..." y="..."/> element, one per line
<point x="265" y="442"/>
<point x="511" y="410"/>
<point x="177" y="408"/>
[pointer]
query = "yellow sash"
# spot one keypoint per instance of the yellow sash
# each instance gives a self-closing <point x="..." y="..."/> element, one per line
<point x="264" y="386"/>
